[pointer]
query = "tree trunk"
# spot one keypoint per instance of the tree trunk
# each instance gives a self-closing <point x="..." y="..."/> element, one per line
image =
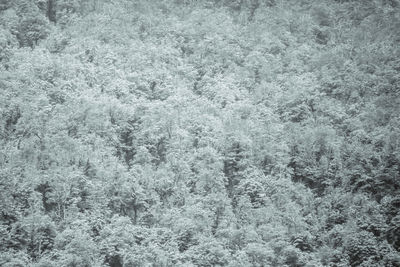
<point x="51" y="11"/>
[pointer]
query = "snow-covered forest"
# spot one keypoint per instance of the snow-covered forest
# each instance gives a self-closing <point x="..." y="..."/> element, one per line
<point x="199" y="133"/>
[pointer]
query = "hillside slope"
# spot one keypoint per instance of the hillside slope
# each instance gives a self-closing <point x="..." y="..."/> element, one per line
<point x="199" y="133"/>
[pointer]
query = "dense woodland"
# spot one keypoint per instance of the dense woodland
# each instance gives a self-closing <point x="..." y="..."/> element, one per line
<point x="199" y="133"/>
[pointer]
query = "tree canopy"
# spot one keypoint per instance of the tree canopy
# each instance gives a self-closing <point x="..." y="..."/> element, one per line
<point x="199" y="133"/>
